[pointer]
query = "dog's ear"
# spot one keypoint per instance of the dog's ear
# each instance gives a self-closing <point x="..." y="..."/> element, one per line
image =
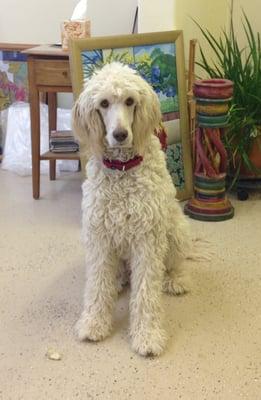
<point x="147" y="117"/>
<point x="87" y="125"/>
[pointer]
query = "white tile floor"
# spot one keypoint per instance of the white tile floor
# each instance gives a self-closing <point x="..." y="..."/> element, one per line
<point x="214" y="350"/>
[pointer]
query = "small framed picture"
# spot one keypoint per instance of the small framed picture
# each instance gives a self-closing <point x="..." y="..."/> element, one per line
<point x="159" y="59"/>
<point x="13" y="74"/>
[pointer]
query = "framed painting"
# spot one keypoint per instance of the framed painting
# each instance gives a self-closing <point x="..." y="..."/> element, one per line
<point x="13" y="74"/>
<point x="159" y="59"/>
<point x="13" y="80"/>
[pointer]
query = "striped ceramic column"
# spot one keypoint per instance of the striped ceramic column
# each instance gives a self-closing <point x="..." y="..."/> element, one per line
<point x="212" y="104"/>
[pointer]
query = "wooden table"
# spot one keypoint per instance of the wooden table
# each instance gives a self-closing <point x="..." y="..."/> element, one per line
<point x="48" y="72"/>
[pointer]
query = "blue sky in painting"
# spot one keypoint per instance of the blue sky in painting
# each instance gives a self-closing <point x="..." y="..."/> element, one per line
<point x="167" y="48"/>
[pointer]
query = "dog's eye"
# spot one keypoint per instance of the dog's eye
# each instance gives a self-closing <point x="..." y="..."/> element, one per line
<point x="129" y="102"/>
<point x="104" y="103"/>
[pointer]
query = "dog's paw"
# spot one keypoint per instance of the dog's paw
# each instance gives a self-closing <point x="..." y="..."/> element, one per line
<point x="93" y="328"/>
<point x="176" y="284"/>
<point x="149" y="342"/>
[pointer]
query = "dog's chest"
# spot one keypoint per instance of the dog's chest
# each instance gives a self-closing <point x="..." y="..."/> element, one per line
<point x="125" y="208"/>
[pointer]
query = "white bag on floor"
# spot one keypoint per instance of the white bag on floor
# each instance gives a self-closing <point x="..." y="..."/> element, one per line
<point x="3" y="126"/>
<point x="17" y="150"/>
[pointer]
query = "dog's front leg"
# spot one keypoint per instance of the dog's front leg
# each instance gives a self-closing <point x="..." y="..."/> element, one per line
<point x="100" y="294"/>
<point x="147" y="333"/>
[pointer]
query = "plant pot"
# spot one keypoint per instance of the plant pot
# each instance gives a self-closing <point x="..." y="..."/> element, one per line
<point x="255" y="158"/>
<point x="213" y="88"/>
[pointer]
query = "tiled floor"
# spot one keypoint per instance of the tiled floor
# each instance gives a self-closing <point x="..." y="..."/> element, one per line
<point x="214" y="351"/>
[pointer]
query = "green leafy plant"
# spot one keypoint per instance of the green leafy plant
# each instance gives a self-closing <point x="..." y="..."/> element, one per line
<point x="243" y="67"/>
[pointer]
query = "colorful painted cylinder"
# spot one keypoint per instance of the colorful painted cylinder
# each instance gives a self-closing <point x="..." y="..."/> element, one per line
<point x="213" y="88"/>
<point x="210" y="202"/>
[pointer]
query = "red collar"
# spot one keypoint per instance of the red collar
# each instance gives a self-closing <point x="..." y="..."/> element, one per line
<point x="123" y="165"/>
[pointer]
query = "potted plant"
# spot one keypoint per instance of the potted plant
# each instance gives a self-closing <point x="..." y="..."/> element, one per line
<point x="242" y="138"/>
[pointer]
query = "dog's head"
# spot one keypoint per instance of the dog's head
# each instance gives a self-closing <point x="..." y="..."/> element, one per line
<point x="117" y="108"/>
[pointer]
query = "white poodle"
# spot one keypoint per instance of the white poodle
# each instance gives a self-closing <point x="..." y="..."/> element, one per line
<point x="130" y="214"/>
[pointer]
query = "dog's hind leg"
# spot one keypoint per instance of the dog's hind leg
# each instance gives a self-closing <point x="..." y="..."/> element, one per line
<point x="176" y="280"/>
<point x="100" y="294"/>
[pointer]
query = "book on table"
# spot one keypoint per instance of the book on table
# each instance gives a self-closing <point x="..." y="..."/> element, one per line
<point x="63" y="142"/>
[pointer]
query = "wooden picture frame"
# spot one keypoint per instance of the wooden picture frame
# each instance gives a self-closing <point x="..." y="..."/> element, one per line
<point x="165" y="70"/>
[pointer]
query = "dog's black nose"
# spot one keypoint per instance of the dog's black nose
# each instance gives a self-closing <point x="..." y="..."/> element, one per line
<point x="120" y="134"/>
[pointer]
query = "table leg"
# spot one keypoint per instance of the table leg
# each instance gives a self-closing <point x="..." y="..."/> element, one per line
<point x="35" y="129"/>
<point x="52" y="110"/>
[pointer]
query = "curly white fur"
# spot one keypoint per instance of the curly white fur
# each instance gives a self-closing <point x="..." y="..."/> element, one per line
<point x="127" y="215"/>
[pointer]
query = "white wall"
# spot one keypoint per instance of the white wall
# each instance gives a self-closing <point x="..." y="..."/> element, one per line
<point x="213" y="15"/>
<point x="162" y="15"/>
<point x="38" y="21"/>
<point x="33" y="21"/>
<point x="111" y="17"/>
<point x="156" y="15"/>
<point x="252" y="10"/>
